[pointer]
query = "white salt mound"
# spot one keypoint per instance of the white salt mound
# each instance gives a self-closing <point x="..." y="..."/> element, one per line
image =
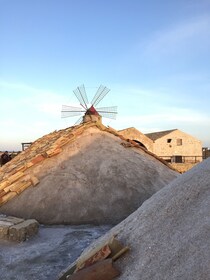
<point x="169" y="235"/>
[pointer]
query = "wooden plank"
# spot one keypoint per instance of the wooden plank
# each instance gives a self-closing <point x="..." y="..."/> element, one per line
<point x="101" y="254"/>
<point x="102" y="270"/>
<point x="117" y="248"/>
<point x="68" y="271"/>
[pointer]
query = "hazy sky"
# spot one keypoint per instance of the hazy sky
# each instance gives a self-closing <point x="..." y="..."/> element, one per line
<point x="154" y="55"/>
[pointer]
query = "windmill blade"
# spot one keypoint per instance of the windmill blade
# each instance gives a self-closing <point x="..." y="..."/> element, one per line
<point x="81" y="95"/>
<point x="79" y="121"/>
<point x="70" y="111"/>
<point x="100" y="94"/>
<point x="108" y="112"/>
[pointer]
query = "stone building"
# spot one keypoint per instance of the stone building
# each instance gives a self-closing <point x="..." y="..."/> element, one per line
<point x="176" y="146"/>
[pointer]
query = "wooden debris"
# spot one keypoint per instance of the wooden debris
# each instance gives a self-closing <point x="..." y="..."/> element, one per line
<point x="101" y="254"/>
<point x="102" y="270"/>
<point x="117" y="248"/>
<point x="110" y="252"/>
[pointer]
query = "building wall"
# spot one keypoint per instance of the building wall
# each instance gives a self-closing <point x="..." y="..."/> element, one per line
<point x="178" y="143"/>
<point x="134" y="134"/>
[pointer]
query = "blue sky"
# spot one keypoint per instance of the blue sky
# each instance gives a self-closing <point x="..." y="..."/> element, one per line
<point x="153" y="55"/>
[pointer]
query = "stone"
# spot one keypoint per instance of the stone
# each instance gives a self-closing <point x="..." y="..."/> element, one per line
<point x="20" y="232"/>
<point x="4" y="228"/>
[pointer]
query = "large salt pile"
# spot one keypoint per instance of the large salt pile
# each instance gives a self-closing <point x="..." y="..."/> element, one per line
<point x="83" y="174"/>
<point x="169" y="235"/>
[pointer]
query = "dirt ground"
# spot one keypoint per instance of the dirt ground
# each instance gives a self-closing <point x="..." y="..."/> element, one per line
<point x="45" y="255"/>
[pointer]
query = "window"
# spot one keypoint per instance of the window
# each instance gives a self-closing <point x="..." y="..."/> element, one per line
<point x="178" y="142"/>
<point x="169" y="140"/>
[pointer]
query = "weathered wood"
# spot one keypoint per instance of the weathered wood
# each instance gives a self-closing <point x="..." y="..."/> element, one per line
<point x="101" y="254"/>
<point x="68" y="271"/>
<point x="120" y="253"/>
<point x="102" y="270"/>
<point x="117" y="248"/>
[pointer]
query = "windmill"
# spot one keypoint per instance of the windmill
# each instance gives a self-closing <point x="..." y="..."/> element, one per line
<point x="89" y="111"/>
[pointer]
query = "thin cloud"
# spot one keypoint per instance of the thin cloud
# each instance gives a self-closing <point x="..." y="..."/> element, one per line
<point x="180" y="36"/>
<point x="173" y="117"/>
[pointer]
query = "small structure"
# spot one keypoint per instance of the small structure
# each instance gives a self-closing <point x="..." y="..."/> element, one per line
<point x="25" y="145"/>
<point x="176" y="146"/>
<point x="17" y="229"/>
<point x="137" y="136"/>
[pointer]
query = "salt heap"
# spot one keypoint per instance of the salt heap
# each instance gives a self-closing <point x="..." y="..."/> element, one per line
<point x="83" y="174"/>
<point x="169" y="235"/>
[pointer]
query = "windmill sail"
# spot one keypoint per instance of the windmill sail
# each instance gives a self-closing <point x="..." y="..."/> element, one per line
<point x="100" y="94"/>
<point x="70" y="111"/>
<point x="80" y="93"/>
<point x="108" y="112"/>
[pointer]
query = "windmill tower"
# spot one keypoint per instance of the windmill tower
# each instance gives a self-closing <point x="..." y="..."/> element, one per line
<point x="89" y="111"/>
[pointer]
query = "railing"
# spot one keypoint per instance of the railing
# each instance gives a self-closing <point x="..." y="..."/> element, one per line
<point x="182" y="159"/>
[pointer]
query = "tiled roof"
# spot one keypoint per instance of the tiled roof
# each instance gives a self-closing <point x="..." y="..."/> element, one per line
<point x="156" y="135"/>
<point x="17" y="175"/>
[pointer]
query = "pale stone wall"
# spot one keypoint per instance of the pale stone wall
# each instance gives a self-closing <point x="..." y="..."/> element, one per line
<point x="134" y="134"/>
<point x="190" y="145"/>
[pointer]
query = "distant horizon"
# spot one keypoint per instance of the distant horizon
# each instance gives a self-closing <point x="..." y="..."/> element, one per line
<point x="16" y="150"/>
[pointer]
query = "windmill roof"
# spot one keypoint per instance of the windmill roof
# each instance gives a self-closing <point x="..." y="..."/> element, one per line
<point x="70" y="164"/>
<point x="156" y="135"/>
